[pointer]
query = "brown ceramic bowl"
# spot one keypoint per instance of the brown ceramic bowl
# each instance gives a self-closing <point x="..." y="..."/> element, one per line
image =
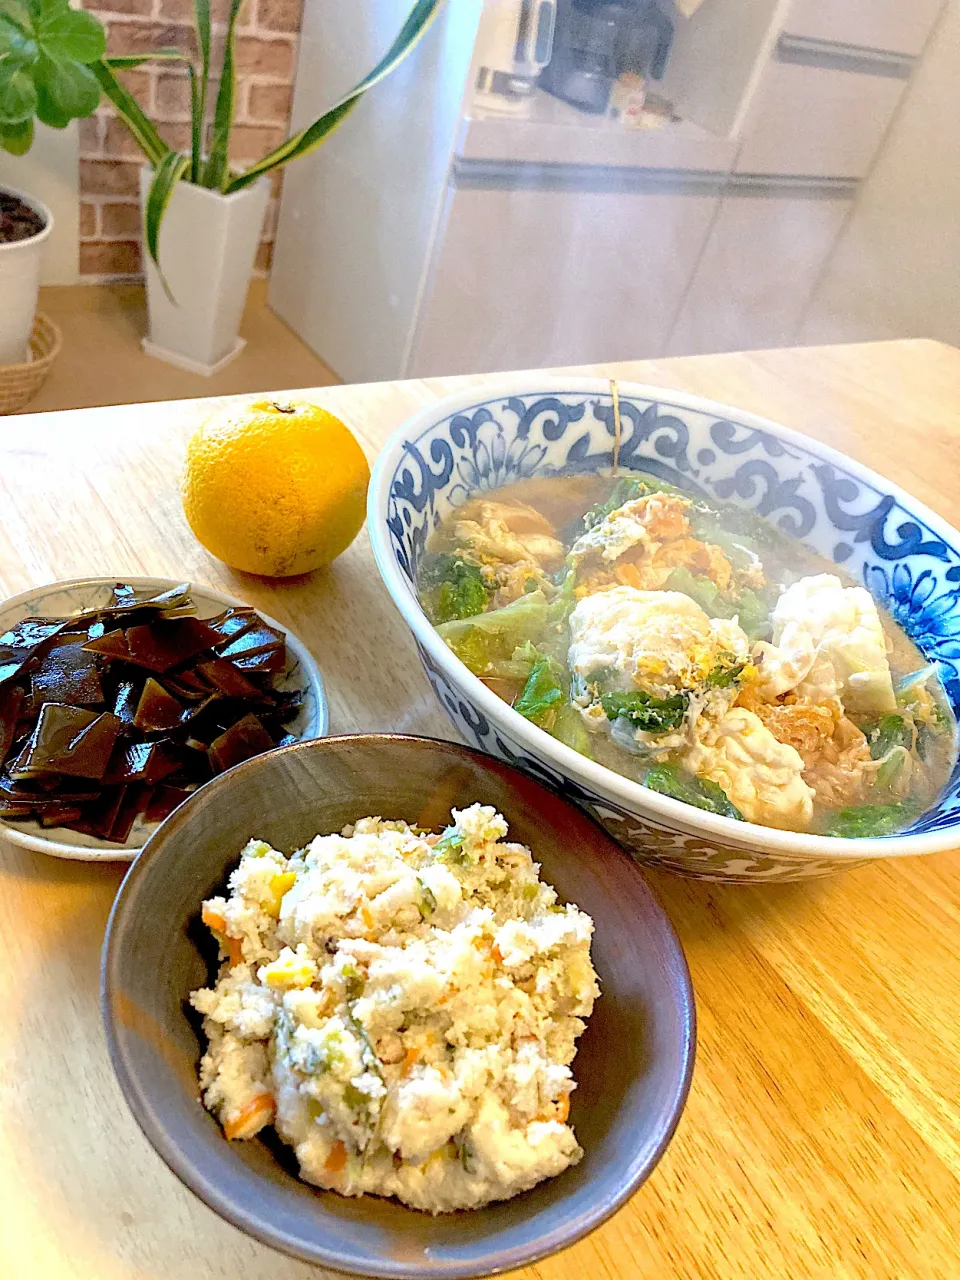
<point x="633" y="1067"/>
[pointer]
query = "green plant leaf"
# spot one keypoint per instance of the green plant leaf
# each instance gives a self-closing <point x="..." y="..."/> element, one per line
<point x="130" y="111"/>
<point x="198" y="99"/>
<point x="130" y="61"/>
<point x="18" y="95"/>
<point x="418" y="20"/>
<point x="65" y="91"/>
<point x="168" y="173"/>
<point x="17" y="138"/>
<point x="16" y="43"/>
<point x="17" y="14"/>
<point x="69" y="35"/>
<point x="217" y="172"/>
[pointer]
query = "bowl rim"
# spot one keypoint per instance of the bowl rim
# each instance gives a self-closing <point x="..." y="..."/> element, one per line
<point x="206" y="1190"/>
<point x="103" y="851"/>
<point x="631" y="795"/>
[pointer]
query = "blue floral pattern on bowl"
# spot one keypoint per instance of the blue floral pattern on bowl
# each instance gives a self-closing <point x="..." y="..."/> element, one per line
<point x="906" y="557"/>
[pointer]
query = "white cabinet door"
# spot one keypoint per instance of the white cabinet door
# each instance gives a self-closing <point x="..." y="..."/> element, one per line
<point x="816" y="122"/>
<point x="532" y="278"/>
<point x="758" y="271"/>
<point x="717" y="58"/>
<point x="899" y="26"/>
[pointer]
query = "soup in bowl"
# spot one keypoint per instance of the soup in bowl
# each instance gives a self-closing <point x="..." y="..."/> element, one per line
<point x="735" y="647"/>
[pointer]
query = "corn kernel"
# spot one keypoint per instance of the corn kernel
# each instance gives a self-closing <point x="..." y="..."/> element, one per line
<point x="290" y="969"/>
<point x="279" y="885"/>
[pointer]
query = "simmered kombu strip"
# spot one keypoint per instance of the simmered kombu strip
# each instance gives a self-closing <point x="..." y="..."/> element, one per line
<point x="225" y="677"/>
<point x="233" y="622"/>
<point x="246" y="738"/>
<point x="188" y="685"/>
<point x="67" y="673"/>
<point x="61" y="815"/>
<point x="10" y="809"/>
<point x="21" y="642"/>
<point x="172" y="598"/>
<point x="38" y="793"/>
<point x="31" y="632"/>
<point x="272" y="661"/>
<point x="98" y="818"/>
<point x="159" y="646"/>
<point x="259" y="639"/>
<point x="135" y="800"/>
<point x="285" y="705"/>
<point x="125" y="701"/>
<point x="126" y="601"/>
<point x="163" y="802"/>
<point x="143" y="762"/>
<point x="68" y="740"/>
<point x="11" y="700"/>
<point x="157" y="710"/>
<point x="113" y="644"/>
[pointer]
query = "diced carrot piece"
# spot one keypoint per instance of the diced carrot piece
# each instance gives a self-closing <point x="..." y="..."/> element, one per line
<point x="251" y="1118"/>
<point x="234" y="950"/>
<point x="366" y="917"/>
<point x="559" y="1112"/>
<point x="336" y="1161"/>
<point x="410" y="1061"/>
<point x="629" y="575"/>
<point x="213" y="919"/>
<point x="496" y="954"/>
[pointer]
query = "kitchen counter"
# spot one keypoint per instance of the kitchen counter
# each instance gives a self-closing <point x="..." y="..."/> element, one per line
<point x="822" y="1134"/>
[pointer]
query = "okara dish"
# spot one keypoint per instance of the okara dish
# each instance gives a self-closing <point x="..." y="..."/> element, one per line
<point x="403" y="1008"/>
<point x="692" y="647"/>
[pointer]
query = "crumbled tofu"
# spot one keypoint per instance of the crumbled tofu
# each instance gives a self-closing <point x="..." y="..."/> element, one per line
<point x="411" y="1026"/>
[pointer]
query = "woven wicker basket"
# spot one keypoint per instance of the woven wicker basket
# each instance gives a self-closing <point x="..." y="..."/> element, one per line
<point x="19" y="383"/>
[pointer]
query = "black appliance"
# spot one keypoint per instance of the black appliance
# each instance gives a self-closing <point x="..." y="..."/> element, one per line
<point x="596" y="41"/>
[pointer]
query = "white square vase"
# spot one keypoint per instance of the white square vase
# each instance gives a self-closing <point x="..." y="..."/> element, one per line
<point x="208" y="245"/>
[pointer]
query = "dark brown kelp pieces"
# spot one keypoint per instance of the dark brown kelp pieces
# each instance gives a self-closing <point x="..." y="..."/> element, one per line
<point x="242" y="741"/>
<point x="161" y="646"/>
<point x="67" y="673"/>
<point x="157" y="709"/>
<point x="116" y="714"/>
<point x="68" y="741"/>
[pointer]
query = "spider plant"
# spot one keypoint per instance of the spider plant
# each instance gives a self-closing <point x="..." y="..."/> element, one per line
<point x="53" y="66"/>
<point x="211" y="167"/>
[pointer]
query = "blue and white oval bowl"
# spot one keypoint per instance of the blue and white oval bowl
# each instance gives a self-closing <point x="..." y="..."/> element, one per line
<point x="522" y="426"/>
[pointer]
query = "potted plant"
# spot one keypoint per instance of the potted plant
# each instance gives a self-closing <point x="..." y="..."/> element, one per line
<point x="44" y="48"/>
<point x="24" y="225"/>
<point x="201" y="218"/>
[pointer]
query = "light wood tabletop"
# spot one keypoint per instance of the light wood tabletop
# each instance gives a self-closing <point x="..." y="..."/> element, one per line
<point x="822" y="1134"/>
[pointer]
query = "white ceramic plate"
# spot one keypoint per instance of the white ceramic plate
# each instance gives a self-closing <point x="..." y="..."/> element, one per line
<point x="60" y="599"/>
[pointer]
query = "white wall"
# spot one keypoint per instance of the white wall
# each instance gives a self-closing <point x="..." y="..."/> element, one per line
<point x="50" y="171"/>
<point x="895" y="272"/>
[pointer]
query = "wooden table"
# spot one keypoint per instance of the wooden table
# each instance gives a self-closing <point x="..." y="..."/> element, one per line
<point x="822" y="1135"/>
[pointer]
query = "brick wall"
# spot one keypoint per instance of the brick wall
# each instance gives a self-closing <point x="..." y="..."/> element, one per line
<point x="266" y="52"/>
